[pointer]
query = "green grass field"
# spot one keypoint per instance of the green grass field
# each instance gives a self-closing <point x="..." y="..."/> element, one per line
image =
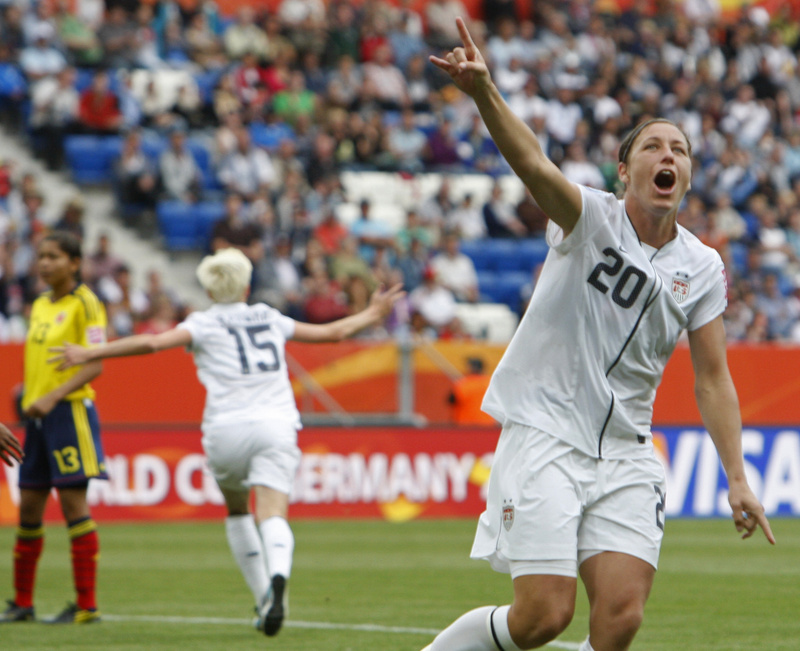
<point x="359" y="586"/>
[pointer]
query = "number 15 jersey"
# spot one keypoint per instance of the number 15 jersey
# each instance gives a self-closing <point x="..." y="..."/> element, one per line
<point x="239" y="351"/>
<point x="605" y="316"/>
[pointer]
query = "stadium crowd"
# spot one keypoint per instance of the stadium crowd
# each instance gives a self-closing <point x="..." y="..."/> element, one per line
<point x="284" y="101"/>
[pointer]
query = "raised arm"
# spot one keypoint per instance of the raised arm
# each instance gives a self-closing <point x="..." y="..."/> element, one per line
<point x="73" y="354"/>
<point x="559" y="198"/>
<point x="380" y="305"/>
<point x="719" y="409"/>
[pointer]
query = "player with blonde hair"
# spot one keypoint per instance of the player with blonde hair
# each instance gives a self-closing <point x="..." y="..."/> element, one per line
<point x="250" y="420"/>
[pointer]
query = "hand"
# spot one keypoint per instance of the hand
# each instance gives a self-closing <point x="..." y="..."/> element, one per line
<point x="384" y="300"/>
<point x="68" y="355"/>
<point x="41" y="407"/>
<point x="9" y="446"/>
<point x="465" y="65"/>
<point x="748" y="513"/>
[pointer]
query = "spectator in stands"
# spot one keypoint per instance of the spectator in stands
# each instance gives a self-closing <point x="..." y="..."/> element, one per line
<point x="347" y="263"/>
<point x="71" y="218"/>
<point x="414" y="229"/>
<point x="435" y="210"/>
<point x="203" y="46"/>
<point x="443" y="149"/>
<point x="433" y="308"/>
<point x="282" y="287"/>
<point x="78" y="38"/>
<point x="324" y="299"/>
<point x="11" y="31"/>
<point x="440" y="17"/>
<point x="500" y="216"/>
<point x="370" y="232"/>
<point x="42" y="58"/>
<point x="330" y="232"/>
<point x="455" y="270"/>
<point x="246" y="170"/>
<point x="345" y="84"/>
<point x="579" y="169"/>
<point x="412" y="261"/>
<point x="245" y="36"/>
<point x="780" y="311"/>
<point x="136" y="175"/>
<point x="117" y="35"/>
<point x="384" y="81"/>
<point x="99" y="108"/>
<point x="296" y="100"/>
<point x="406" y="143"/>
<point x="101" y="262"/>
<point x="161" y="316"/>
<point x="251" y="86"/>
<point x="181" y="177"/>
<point x="467" y="219"/>
<point x="234" y="230"/>
<point x="125" y="303"/>
<point x="466" y="395"/>
<point x="54" y="114"/>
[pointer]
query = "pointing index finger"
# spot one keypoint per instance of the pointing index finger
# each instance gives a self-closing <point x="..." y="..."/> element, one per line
<point x="466" y="37"/>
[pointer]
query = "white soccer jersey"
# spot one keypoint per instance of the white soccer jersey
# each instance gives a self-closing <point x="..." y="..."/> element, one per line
<point x="239" y="351"/>
<point x="607" y="312"/>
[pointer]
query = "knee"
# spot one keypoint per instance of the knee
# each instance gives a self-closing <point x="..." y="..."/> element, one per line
<point x="539" y="627"/>
<point x="621" y="623"/>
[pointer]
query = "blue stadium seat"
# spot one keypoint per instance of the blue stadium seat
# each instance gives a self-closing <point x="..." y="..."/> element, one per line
<point x="208" y="213"/>
<point x="533" y="251"/>
<point x="89" y="159"/>
<point x="478" y="253"/>
<point x="270" y="135"/>
<point x="179" y="225"/>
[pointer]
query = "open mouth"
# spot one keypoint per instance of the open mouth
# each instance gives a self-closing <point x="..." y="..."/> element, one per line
<point x="665" y="180"/>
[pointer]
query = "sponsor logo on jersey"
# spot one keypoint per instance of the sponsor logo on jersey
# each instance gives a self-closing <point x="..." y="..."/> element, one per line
<point x="95" y="335"/>
<point x="680" y="287"/>
<point x="60" y="317"/>
<point x="508" y="515"/>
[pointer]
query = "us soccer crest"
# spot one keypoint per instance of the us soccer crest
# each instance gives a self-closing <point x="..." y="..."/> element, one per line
<point x="508" y="515"/>
<point x="680" y="286"/>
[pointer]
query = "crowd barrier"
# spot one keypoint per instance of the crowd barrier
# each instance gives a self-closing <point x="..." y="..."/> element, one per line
<point x="400" y="474"/>
<point x="361" y="378"/>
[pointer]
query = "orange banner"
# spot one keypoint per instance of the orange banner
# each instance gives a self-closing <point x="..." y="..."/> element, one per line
<point x="163" y="390"/>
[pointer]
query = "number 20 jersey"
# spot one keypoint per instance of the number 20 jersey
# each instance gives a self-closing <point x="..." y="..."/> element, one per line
<point x="239" y="351"/>
<point x="605" y="316"/>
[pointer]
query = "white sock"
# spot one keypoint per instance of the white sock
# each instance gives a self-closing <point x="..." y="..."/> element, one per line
<point x="470" y="632"/>
<point x="499" y="625"/>
<point x="278" y="545"/>
<point x="586" y="646"/>
<point x="245" y="544"/>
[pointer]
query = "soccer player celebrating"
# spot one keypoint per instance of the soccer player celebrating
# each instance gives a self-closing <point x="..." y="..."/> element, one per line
<point x="62" y="436"/>
<point x="575" y="486"/>
<point x="250" y="420"/>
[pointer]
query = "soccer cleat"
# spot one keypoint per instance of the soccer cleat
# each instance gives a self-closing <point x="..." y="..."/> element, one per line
<point x="16" y="613"/>
<point x="74" y="615"/>
<point x="275" y="607"/>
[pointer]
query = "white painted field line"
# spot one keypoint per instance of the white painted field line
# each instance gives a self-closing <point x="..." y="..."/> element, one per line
<point x="371" y="628"/>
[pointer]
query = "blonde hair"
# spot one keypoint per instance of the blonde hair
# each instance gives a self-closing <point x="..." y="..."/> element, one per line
<point x="225" y="275"/>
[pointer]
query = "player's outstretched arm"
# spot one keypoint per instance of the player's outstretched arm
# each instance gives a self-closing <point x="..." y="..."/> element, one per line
<point x="559" y="198"/>
<point x="10" y="448"/>
<point x="73" y="354"/>
<point x="719" y="408"/>
<point x="380" y="305"/>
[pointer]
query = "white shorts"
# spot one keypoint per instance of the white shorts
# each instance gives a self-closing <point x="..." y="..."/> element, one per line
<point x="242" y="455"/>
<point x="550" y="507"/>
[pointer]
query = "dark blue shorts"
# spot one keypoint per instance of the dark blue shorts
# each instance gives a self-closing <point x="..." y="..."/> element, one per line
<point x="63" y="449"/>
